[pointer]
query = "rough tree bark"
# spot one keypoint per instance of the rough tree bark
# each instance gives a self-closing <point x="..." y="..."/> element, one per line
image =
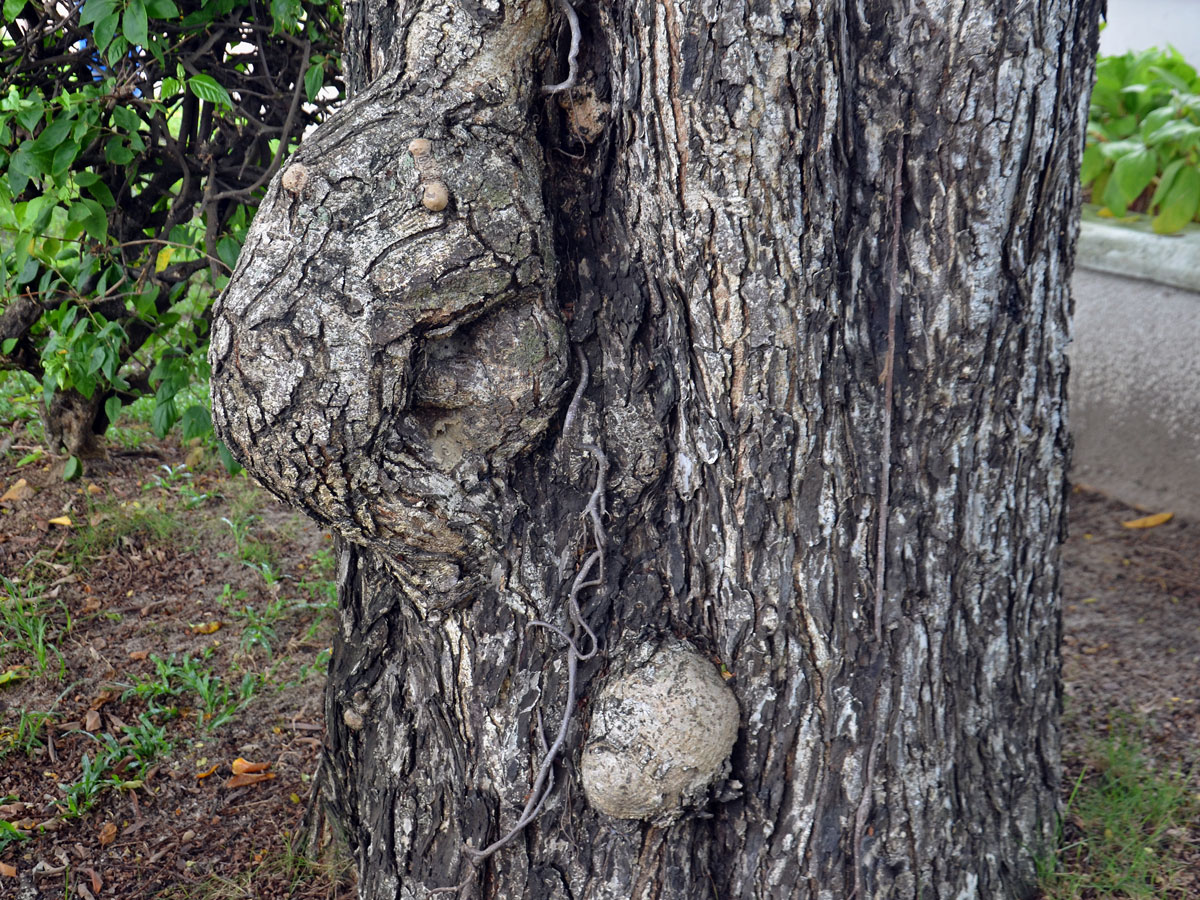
<point x="769" y="309"/>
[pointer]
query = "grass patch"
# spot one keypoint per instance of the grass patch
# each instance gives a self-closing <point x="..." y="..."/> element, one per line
<point x="29" y="631"/>
<point x="116" y="523"/>
<point x="1122" y="837"/>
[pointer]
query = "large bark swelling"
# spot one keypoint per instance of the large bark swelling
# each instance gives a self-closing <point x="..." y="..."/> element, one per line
<point x="710" y="219"/>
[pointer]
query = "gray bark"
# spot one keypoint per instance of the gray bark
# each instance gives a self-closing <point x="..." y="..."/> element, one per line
<point x="814" y="263"/>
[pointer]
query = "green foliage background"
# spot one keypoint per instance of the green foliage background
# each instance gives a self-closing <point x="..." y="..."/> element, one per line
<point x="1143" y="149"/>
<point x="136" y="138"/>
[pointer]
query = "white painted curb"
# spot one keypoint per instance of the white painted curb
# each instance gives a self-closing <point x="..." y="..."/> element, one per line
<point x="1132" y="249"/>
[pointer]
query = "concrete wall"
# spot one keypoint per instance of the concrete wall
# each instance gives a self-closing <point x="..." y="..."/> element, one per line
<point x="1138" y="24"/>
<point x="1135" y="391"/>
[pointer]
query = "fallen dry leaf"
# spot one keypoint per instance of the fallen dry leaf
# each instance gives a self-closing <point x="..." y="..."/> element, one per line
<point x="241" y="766"/>
<point x="139" y="654"/>
<point x="19" y="491"/>
<point x="64" y="521"/>
<point x="94" y="490"/>
<point x="108" y="834"/>
<point x="8" y="871"/>
<point x="207" y="772"/>
<point x="91" y="605"/>
<point x="1149" y="521"/>
<point x="205" y="627"/>
<point x="247" y="778"/>
<point x="91" y="720"/>
<point x="97" y="882"/>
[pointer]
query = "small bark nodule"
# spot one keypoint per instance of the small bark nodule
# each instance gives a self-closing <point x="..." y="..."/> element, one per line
<point x="745" y="355"/>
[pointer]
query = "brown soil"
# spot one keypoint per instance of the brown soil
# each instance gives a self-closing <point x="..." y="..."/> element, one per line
<point x="139" y="575"/>
<point x="117" y="596"/>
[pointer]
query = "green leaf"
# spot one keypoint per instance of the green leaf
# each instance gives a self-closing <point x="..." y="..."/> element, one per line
<point x="1177" y="130"/>
<point x="95" y="10"/>
<point x="73" y="468"/>
<point x="133" y="24"/>
<point x="162" y="9"/>
<point x="1165" y="180"/>
<point x="7" y="347"/>
<point x="196" y="422"/>
<point x="228" y="249"/>
<point x="28" y="272"/>
<point x="53" y="134"/>
<point x="12" y="8"/>
<point x="92" y="215"/>
<point x="105" y="29"/>
<point x="1133" y="172"/>
<point x="163" y="417"/>
<point x="1117" y="149"/>
<point x="29" y="116"/>
<point x="206" y="88"/>
<point x="314" y="78"/>
<point x="286" y="13"/>
<point x="96" y="359"/>
<point x="112" y="408"/>
<point x="1122" y="127"/>
<point x="100" y="191"/>
<point x="1156" y="119"/>
<point x="116" y="152"/>
<point x="22" y="168"/>
<point x="1171" y="78"/>
<point x="1093" y="164"/>
<point x="126" y="118"/>
<point x="63" y="157"/>
<point x="1181" y="202"/>
<point x="232" y="466"/>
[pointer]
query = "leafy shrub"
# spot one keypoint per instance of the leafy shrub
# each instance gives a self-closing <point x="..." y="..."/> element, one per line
<point x="1143" y="134"/>
<point x="136" y="138"/>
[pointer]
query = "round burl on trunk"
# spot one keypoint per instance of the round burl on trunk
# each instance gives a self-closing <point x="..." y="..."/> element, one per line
<point x="661" y="733"/>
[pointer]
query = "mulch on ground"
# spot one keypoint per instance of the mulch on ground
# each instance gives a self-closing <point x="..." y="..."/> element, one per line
<point x="146" y="575"/>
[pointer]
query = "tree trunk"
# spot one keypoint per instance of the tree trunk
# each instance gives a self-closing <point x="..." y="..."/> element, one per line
<point x="745" y="352"/>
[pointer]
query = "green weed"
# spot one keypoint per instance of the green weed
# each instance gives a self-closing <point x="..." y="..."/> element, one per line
<point x="94" y="776"/>
<point x="148" y="741"/>
<point x="177" y="480"/>
<point x="27" y="736"/>
<point x="27" y="629"/>
<point x="9" y="833"/>
<point x="217" y="701"/>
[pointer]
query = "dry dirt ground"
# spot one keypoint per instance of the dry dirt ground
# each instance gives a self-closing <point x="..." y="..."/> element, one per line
<point x="163" y="742"/>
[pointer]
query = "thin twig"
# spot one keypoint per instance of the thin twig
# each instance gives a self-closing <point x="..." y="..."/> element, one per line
<point x="572" y="55"/>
